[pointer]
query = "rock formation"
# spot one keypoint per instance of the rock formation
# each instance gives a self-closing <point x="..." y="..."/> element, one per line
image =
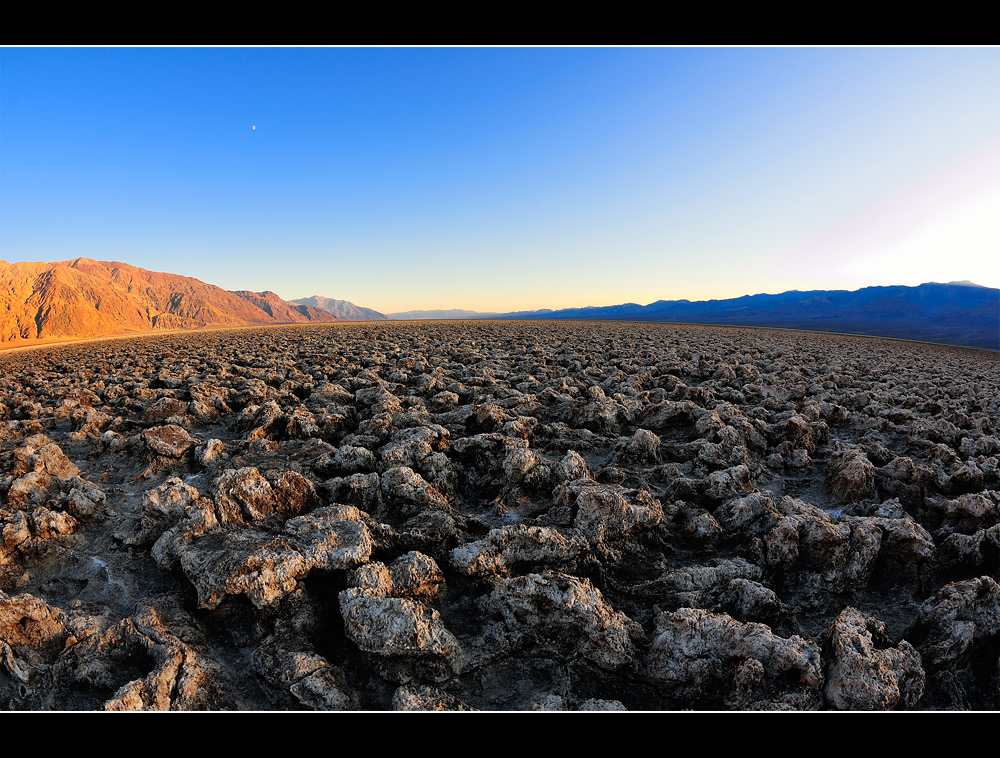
<point x="498" y="516"/>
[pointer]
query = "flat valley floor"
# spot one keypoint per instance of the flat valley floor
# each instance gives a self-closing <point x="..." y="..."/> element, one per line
<point x="495" y="515"/>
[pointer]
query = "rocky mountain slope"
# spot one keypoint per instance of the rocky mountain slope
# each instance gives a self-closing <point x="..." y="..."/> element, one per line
<point x="88" y="298"/>
<point x="344" y="310"/>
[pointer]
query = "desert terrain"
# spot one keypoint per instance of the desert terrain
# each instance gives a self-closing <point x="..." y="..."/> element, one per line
<point x="498" y="515"/>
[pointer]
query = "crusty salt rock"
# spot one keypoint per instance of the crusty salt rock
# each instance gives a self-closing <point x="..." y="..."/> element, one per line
<point x="361" y="490"/>
<point x="668" y="413"/>
<point x="163" y="409"/>
<point x="716" y="455"/>
<point x="819" y="554"/>
<point x="170" y="441"/>
<point x="15" y="534"/>
<point x="550" y="702"/>
<point x="973" y="551"/>
<point x="260" y="566"/>
<point x="960" y="617"/>
<point x="90" y="422"/>
<point x="332" y="537"/>
<point x="488" y="416"/>
<point x="607" y="511"/>
<point x="352" y="460"/>
<point x="47" y="524"/>
<point x="852" y="475"/>
<point x="864" y="671"/>
<point x="695" y="655"/>
<point x="162" y="507"/>
<point x="405" y="491"/>
<point x="327" y="393"/>
<point x="752" y="515"/>
<point x="522" y="426"/>
<point x="386" y="616"/>
<point x="377" y="400"/>
<point x="405" y="638"/>
<point x="439" y="471"/>
<point x="210" y="452"/>
<point x="44" y="457"/>
<point x="798" y="433"/>
<point x="411" y="575"/>
<point x="32" y="633"/>
<point x="977" y="445"/>
<point x="30" y="489"/>
<point x="308" y="676"/>
<point x="416" y="575"/>
<point x="252" y="392"/>
<point x="325" y="689"/>
<point x="485" y="452"/>
<point x="731" y="585"/>
<point x="643" y="446"/>
<point x="903" y="540"/>
<point x="601" y="415"/>
<point x="515" y="545"/>
<point x="748" y="600"/>
<point x="700" y="527"/>
<point x="708" y="424"/>
<point x="243" y="496"/>
<point x="263" y="566"/>
<point x="408" y="447"/>
<point x="596" y="704"/>
<point x="936" y="430"/>
<point x="527" y="468"/>
<point x="208" y="392"/>
<point x="411" y="697"/>
<point x="302" y="424"/>
<point x="294" y="494"/>
<point x="176" y="676"/>
<point x="266" y="421"/>
<point x="728" y="483"/>
<point x="85" y="498"/>
<point x="444" y="399"/>
<point x="553" y="606"/>
<point x="885" y="400"/>
<point x="965" y="477"/>
<point x="203" y="412"/>
<point x="571" y="467"/>
<point x="900" y="469"/>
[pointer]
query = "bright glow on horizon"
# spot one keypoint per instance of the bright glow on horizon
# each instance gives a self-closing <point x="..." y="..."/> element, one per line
<point x="942" y="226"/>
<point x="504" y="179"/>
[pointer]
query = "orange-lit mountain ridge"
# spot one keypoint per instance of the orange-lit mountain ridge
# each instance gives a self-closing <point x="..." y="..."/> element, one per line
<point x="87" y="298"/>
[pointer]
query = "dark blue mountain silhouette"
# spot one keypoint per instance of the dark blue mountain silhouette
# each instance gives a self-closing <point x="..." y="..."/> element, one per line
<point x="957" y="313"/>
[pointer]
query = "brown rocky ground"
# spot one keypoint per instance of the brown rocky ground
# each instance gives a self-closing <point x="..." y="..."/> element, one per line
<point x="499" y="515"/>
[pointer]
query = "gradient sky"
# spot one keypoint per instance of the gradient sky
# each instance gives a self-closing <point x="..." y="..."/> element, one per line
<point x="499" y="179"/>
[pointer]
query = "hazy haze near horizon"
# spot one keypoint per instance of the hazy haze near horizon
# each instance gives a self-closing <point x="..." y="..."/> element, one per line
<point x="507" y="179"/>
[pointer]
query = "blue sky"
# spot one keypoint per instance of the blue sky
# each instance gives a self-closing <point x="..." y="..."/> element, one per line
<point x="507" y="178"/>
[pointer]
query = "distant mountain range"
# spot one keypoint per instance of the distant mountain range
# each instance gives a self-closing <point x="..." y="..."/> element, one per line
<point x="957" y="313"/>
<point x="454" y="313"/>
<point x="87" y="298"/>
<point x="342" y="309"/>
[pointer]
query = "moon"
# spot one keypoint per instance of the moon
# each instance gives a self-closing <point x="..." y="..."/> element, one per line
<point x="254" y="127"/>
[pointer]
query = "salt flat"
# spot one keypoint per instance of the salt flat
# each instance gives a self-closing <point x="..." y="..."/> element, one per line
<point x="499" y="515"/>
